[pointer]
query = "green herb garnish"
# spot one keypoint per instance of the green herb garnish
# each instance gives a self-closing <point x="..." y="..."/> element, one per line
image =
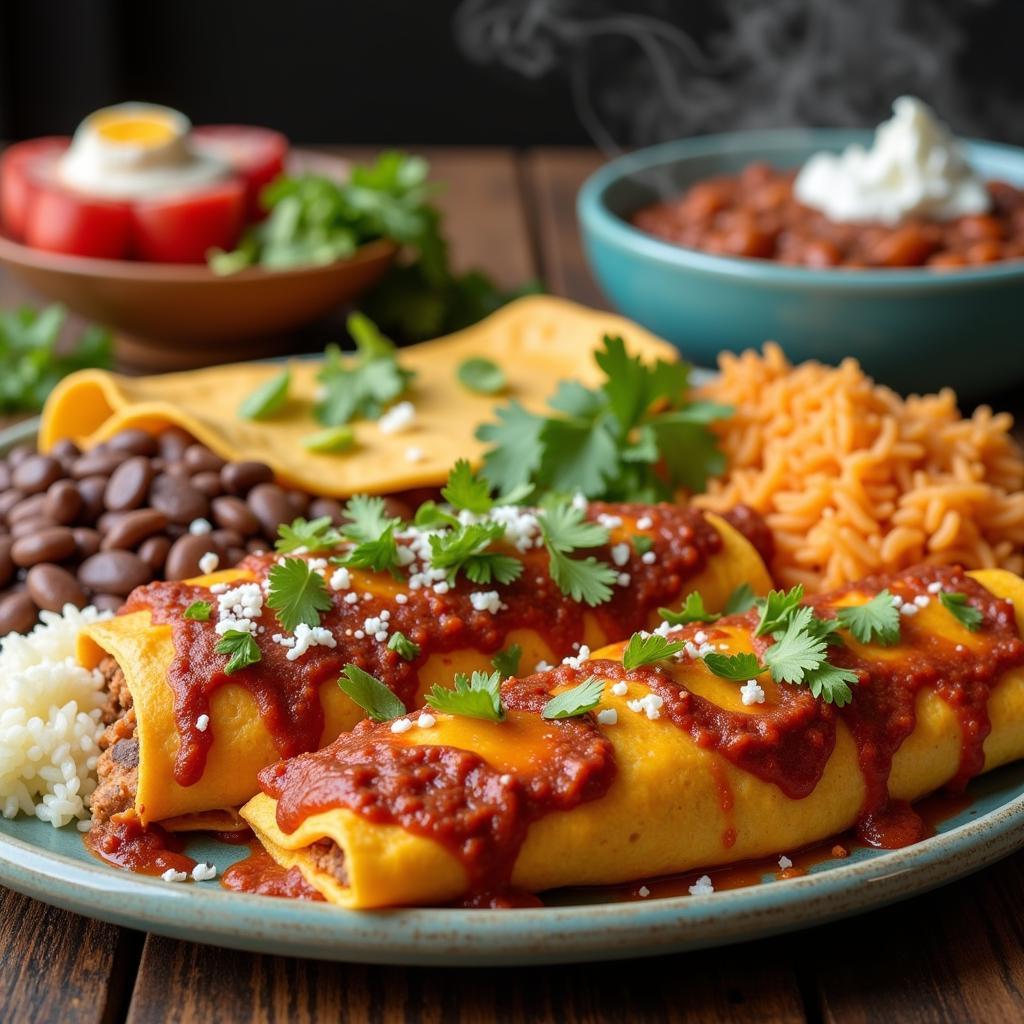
<point x="776" y="609"/>
<point x="466" y="549"/>
<point x="876" y="621"/>
<point x="33" y="359"/>
<point x="642" y="543"/>
<point x="361" y="385"/>
<point x="796" y="649"/>
<point x="636" y="438"/>
<point x="646" y="649"/>
<point x="309" y="535"/>
<point x="736" y="667"/>
<point x="466" y="490"/>
<point x="297" y="594"/>
<point x="742" y="599"/>
<point x="966" y="614"/>
<point x="367" y="518"/>
<point x="199" y="611"/>
<point x="577" y="701"/>
<point x="693" y="610"/>
<point x="831" y="684"/>
<point x="333" y="439"/>
<point x="241" y="646"/>
<point x="379" y="554"/>
<point x="565" y="530"/>
<point x="268" y="398"/>
<point x="478" y="696"/>
<point x="403" y="646"/>
<point x="370" y="694"/>
<point x="507" y="661"/>
<point x="484" y="376"/>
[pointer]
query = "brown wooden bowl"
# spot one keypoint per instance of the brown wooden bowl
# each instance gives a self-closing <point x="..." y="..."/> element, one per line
<point x="180" y="315"/>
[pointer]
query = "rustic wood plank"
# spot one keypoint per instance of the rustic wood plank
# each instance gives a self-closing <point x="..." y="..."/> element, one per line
<point x="553" y="178"/>
<point x="226" y="986"/>
<point x="57" y="966"/>
<point x="956" y="954"/>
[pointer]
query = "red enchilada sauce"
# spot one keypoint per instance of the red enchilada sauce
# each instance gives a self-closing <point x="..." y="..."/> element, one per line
<point x="480" y="812"/>
<point x="287" y="692"/>
<point x="456" y="798"/>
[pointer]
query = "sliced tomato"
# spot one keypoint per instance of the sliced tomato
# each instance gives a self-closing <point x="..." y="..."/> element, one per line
<point x="257" y="154"/>
<point x="182" y="228"/>
<point x="61" y="220"/>
<point x="17" y="167"/>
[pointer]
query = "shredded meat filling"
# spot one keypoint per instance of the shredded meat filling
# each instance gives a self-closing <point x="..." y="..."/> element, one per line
<point x="118" y="765"/>
<point x="328" y="857"/>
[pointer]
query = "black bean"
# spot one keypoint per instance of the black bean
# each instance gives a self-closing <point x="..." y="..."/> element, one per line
<point x="134" y="527"/>
<point x="128" y="484"/>
<point x="63" y="502"/>
<point x="114" y="572"/>
<point x="36" y="473"/>
<point x="209" y="483"/>
<point x="50" y="545"/>
<point x="66" y="450"/>
<point x="241" y="477"/>
<point x="19" y="453"/>
<point x="28" y="508"/>
<point x="87" y="541"/>
<point x="153" y="551"/>
<point x="320" y="507"/>
<point x="133" y="441"/>
<point x="173" y="441"/>
<point x="271" y="506"/>
<point x="18" y="613"/>
<point x="31" y="524"/>
<point x="52" y="587"/>
<point x="186" y="551"/>
<point x="6" y="562"/>
<point x="200" y="459"/>
<point x="232" y="513"/>
<point x="97" y="463"/>
<point x="107" y="603"/>
<point x="179" y="501"/>
<point x="92" y="489"/>
<point x="8" y="500"/>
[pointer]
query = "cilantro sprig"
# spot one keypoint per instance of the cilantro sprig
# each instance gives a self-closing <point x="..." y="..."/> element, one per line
<point x="476" y="696"/>
<point x="297" y="593"/>
<point x="737" y="668"/>
<point x="507" y="661"/>
<point x="636" y="438"/>
<point x="565" y="530"/>
<point x="309" y="535"/>
<point x="740" y="600"/>
<point x="199" y="611"/>
<point x="878" y="620"/>
<point x="957" y="605"/>
<point x="370" y="694"/>
<point x="466" y="549"/>
<point x="405" y="648"/>
<point x="242" y="648"/>
<point x="649" y="648"/>
<point x="577" y="701"/>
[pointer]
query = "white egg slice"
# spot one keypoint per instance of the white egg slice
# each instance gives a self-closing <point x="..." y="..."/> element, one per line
<point x="137" y="150"/>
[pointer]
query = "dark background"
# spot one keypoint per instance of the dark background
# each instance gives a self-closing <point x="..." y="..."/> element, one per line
<point x="512" y="72"/>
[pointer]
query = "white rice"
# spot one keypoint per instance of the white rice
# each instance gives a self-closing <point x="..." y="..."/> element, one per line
<point x="49" y="720"/>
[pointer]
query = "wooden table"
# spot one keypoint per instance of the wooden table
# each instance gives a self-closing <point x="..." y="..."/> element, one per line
<point x="953" y="955"/>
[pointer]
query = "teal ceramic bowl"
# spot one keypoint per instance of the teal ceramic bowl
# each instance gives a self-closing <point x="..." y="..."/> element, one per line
<point x="916" y="329"/>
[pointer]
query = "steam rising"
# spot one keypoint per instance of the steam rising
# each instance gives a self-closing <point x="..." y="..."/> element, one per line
<point x="638" y="78"/>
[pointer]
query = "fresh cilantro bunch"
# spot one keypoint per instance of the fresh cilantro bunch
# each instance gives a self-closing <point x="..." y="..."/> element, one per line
<point x="315" y="220"/>
<point x="33" y="361"/>
<point x="637" y="437"/>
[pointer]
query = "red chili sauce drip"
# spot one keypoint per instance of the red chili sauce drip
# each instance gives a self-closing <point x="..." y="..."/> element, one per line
<point x="123" y="842"/>
<point x="261" y="875"/>
<point x="287" y="692"/>
<point x="476" y="811"/>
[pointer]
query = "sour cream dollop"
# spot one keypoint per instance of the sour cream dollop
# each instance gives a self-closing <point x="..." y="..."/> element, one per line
<point x="137" y="150"/>
<point x="914" y="168"/>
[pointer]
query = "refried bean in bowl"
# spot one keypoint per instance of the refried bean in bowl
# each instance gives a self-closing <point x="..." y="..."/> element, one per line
<point x="715" y="279"/>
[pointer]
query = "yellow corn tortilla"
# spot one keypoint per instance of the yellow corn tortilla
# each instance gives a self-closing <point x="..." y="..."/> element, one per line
<point x="537" y="341"/>
<point x="663" y="813"/>
<point x="241" y="743"/>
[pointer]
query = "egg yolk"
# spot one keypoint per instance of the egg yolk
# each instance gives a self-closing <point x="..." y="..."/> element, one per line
<point x="135" y="130"/>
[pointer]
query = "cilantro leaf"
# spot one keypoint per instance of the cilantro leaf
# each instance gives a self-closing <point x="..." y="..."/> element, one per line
<point x="430" y="516"/>
<point x="578" y="456"/>
<point x="403" y="646"/>
<point x="565" y="528"/>
<point x="313" y="535"/>
<point x="582" y="579"/>
<point x="737" y="667"/>
<point x="646" y="649"/>
<point x="483" y="376"/>
<point x="361" y="385"/>
<point x="796" y="651"/>
<point x="367" y="518"/>
<point x="370" y="694"/>
<point x="517" y="450"/>
<point x="642" y="543"/>
<point x="268" y="398"/>
<point x="577" y="701"/>
<point x="466" y="490"/>
<point x="966" y="614"/>
<point x="379" y="554"/>
<point x="332" y="439"/>
<point x="297" y="594"/>
<point x="878" y="619"/>
<point x="507" y="661"/>
<point x="693" y="610"/>
<point x="741" y="600"/>
<point x="831" y="684"/>
<point x="199" y="611"/>
<point x="478" y="696"/>
<point x="465" y="549"/>
<point x="776" y="609"/>
<point x="241" y="646"/>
